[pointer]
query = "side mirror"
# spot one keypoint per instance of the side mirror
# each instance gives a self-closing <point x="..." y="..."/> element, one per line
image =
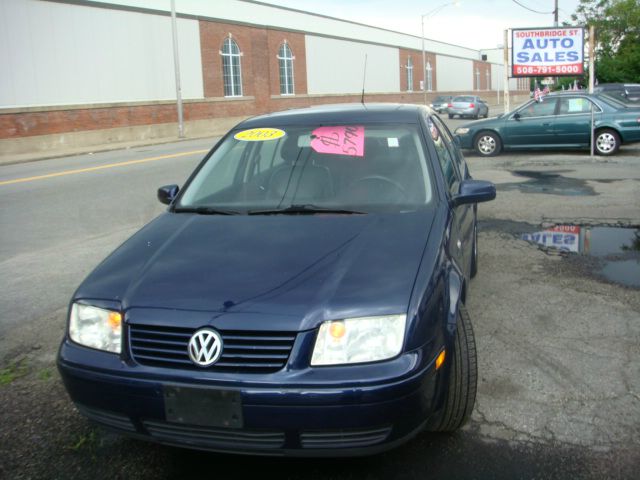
<point x="516" y="116"/>
<point x="167" y="193"/>
<point x="474" y="191"/>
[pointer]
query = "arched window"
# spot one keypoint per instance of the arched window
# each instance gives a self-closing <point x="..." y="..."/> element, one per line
<point x="231" y="69"/>
<point x="409" y="75"/>
<point x="285" y="60"/>
<point x="429" y="77"/>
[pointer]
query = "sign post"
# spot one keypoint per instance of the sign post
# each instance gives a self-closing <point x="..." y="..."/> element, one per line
<point x="592" y="61"/>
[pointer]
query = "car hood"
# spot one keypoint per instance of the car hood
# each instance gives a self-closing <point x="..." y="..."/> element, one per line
<point x="486" y="122"/>
<point x="311" y="267"/>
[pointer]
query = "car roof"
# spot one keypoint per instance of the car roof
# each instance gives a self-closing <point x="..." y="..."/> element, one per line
<point x="347" y="113"/>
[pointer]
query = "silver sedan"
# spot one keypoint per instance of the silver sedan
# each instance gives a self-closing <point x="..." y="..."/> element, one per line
<point x="468" y="106"/>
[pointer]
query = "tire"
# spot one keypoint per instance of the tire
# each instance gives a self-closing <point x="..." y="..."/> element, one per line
<point x="450" y="116"/>
<point x="474" y="252"/>
<point x="486" y="114"/>
<point x="460" y="391"/>
<point x="607" y="142"/>
<point x="475" y="117"/>
<point x="487" y="144"/>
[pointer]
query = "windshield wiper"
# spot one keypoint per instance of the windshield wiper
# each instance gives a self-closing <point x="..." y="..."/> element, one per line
<point x="306" y="209"/>
<point x="205" y="211"/>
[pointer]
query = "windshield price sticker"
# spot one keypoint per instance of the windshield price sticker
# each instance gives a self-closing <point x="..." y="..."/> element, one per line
<point x="259" y="134"/>
<point x="339" y="140"/>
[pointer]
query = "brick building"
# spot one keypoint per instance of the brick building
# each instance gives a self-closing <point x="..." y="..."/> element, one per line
<point x="74" y="69"/>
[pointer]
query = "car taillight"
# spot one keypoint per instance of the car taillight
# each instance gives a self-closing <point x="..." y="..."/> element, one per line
<point x="450" y="105"/>
<point x="472" y="105"/>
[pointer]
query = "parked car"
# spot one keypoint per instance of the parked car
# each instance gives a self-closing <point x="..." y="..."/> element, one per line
<point x="441" y="103"/>
<point x="304" y="293"/>
<point x="468" y="106"/>
<point x="561" y="120"/>
<point x="628" y="92"/>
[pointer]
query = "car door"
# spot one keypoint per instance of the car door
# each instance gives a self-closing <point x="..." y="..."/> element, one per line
<point x="532" y="125"/>
<point x="454" y="170"/>
<point x="573" y="121"/>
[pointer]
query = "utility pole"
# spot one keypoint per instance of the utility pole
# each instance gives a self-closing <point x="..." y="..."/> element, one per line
<point x="555" y="14"/>
<point x="506" y="96"/>
<point x="176" y="65"/>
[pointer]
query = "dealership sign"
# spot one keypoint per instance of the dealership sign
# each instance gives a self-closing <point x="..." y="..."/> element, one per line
<point x="544" y="52"/>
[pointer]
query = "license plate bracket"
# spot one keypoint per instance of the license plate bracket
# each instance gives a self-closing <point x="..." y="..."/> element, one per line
<point x="206" y="407"/>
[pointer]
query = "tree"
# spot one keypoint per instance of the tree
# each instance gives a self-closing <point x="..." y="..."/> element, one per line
<point x="617" y="27"/>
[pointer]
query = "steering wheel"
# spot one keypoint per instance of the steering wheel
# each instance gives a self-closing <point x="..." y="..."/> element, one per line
<point x="380" y="188"/>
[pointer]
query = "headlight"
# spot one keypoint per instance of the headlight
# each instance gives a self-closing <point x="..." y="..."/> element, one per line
<point x="358" y="340"/>
<point x="461" y="131"/>
<point x="96" y="328"/>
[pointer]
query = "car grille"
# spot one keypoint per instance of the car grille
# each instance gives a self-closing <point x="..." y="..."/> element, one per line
<point x="243" y="351"/>
<point x="206" y="437"/>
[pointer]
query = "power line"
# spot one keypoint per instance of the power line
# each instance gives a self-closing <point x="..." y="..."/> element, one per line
<point x="531" y="9"/>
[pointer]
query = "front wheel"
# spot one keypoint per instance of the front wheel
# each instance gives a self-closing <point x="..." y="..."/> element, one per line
<point x="462" y="381"/>
<point x="450" y="116"/>
<point x="607" y="142"/>
<point x="488" y="144"/>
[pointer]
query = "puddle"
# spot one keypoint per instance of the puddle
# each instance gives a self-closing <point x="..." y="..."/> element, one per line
<point x="548" y="183"/>
<point x="616" y="248"/>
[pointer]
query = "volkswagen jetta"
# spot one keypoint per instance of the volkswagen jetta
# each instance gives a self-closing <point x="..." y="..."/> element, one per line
<point x="303" y="294"/>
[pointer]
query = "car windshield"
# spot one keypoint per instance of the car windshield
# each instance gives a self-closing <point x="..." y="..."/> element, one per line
<point x="339" y="168"/>
<point x="463" y="99"/>
<point x="442" y="99"/>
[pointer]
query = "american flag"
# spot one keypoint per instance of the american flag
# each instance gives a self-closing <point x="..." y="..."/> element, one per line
<point x="537" y="95"/>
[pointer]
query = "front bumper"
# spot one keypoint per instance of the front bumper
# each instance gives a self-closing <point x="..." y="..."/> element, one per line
<point x="316" y="412"/>
<point x="466" y="140"/>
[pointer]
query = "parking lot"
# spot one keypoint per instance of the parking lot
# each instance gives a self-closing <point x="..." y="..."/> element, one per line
<point x="558" y="340"/>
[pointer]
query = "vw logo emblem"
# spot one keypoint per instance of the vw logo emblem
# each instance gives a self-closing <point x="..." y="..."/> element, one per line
<point x="205" y="347"/>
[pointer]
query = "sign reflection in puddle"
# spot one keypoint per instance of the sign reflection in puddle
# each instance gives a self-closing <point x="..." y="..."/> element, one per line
<point x="618" y="248"/>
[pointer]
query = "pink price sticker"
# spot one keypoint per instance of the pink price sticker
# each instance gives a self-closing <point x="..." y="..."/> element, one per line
<point x="340" y="140"/>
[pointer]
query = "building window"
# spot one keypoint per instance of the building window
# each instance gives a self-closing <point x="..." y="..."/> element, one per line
<point x="477" y="78"/>
<point x="231" y="69"/>
<point x="409" y="75"/>
<point x="488" y="75"/>
<point x="285" y="60"/>
<point x="429" y="77"/>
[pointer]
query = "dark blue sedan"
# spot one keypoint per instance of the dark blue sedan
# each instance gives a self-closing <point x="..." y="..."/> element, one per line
<point x="303" y="294"/>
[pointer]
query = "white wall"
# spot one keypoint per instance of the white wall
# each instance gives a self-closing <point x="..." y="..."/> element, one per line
<point x="260" y="14"/>
<point x="337" y="66"/>
<point x="54" y="53"/>
<point x="454" y="74"/>
<point x="497" y="77"/>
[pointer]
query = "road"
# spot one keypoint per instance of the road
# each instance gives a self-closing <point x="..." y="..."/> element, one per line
<point x="559" y="346"/>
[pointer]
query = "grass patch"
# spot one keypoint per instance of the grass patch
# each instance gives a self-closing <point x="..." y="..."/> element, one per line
<point x="15" y="370"/>
<point x="44" y="374"/>
<point x="87" y="440"/>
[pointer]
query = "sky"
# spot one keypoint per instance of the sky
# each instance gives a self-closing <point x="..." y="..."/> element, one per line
<point x="475" y="24"/>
